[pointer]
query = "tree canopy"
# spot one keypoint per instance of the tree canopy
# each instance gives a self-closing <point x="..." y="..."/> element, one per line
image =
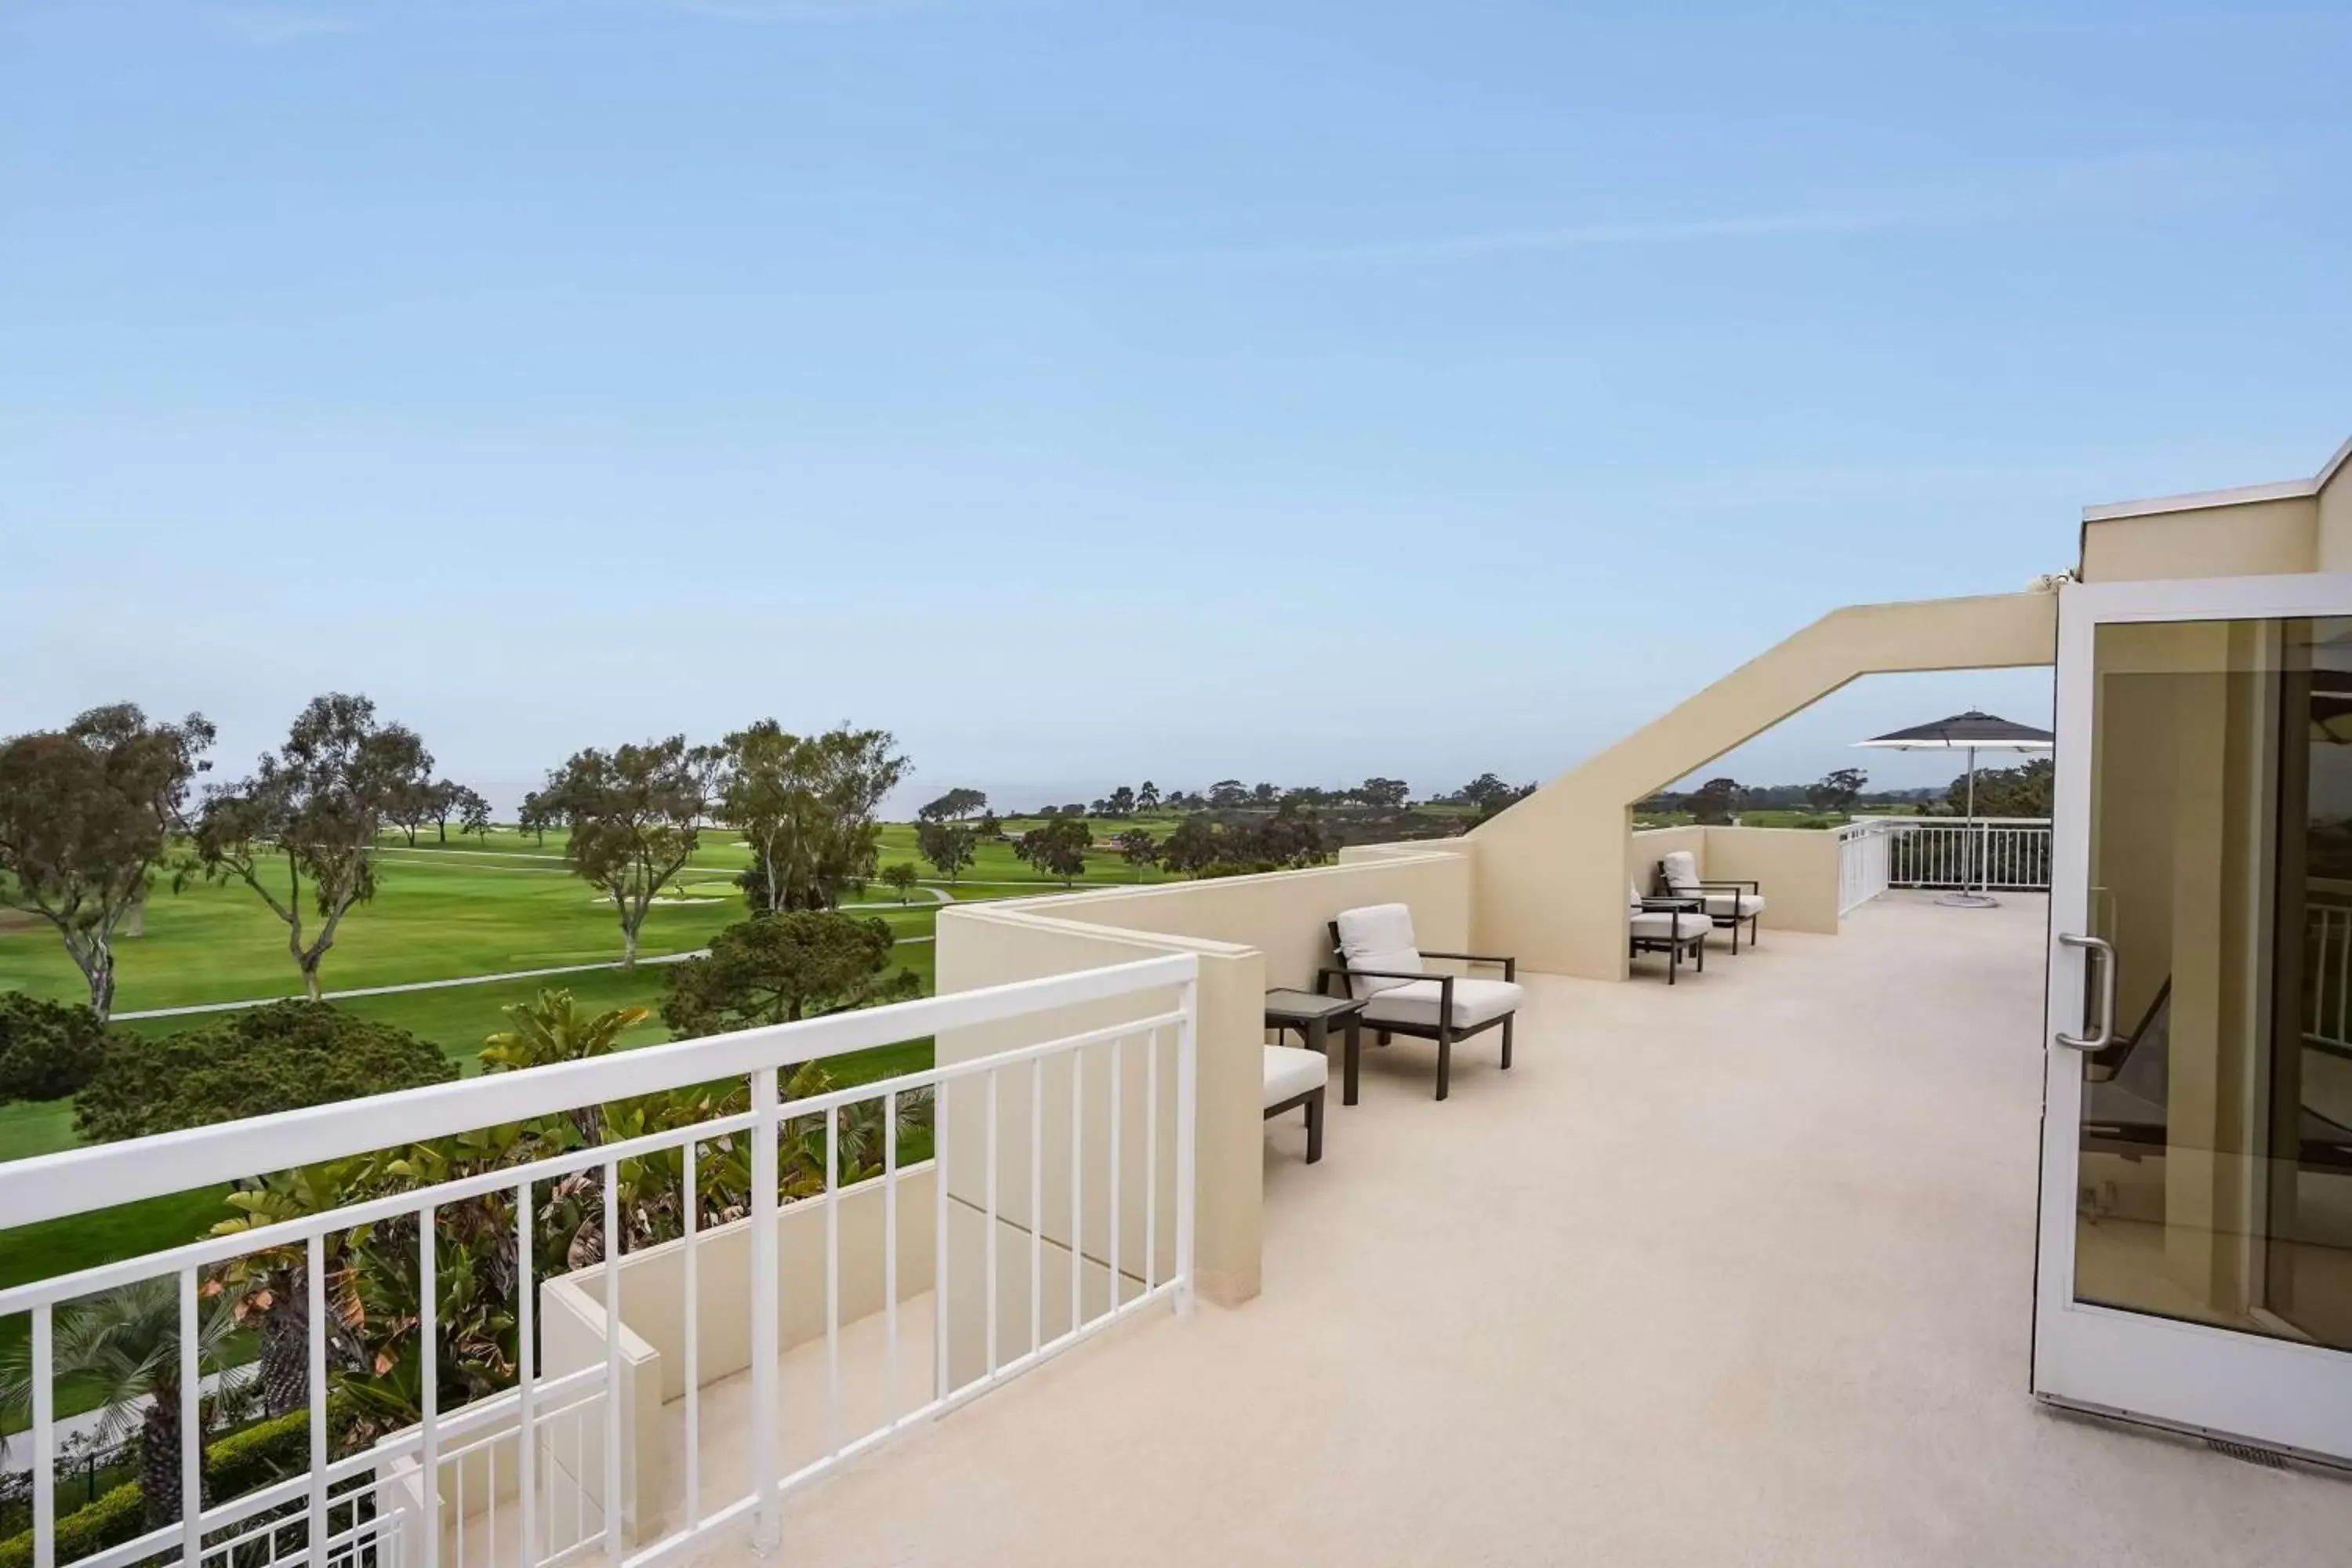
<point x="1716" y="800"/>
<point x="953" y="806"/>
<point x="776" y="968"/>
<point x="1490" y="794"/>
<point x="283" y="1057"/>
<point x="85" y="816"/>
<point x="1837" y="791"/>
<point x="312" y="811"/>
<point x="1139" y="849"/>
<point x="2022" y="791"/>
<point x="805" y="806"/>
<point x="635" y="816"/>
<point x="949" y="849"/>
<point x="1058" y="847"/>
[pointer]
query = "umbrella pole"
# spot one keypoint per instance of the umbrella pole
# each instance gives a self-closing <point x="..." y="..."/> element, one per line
<point x="1966" y="880"/>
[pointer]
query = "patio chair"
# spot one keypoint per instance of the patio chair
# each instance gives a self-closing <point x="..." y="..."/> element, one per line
<point x="1296" y="1077"/>
<point x="1381" y="962"/>
<point x="1677" y="927"/>
<point x="1726" y="903"/>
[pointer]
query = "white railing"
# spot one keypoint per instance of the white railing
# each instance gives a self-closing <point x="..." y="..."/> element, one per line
<point x="2328" y="1016"/>
<point x="544" y="1469"/>
<point x="2001" y="853"/>
<point x="1862" y="864"/>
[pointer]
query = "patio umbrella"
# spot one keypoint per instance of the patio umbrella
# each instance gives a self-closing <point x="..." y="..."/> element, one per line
<point x="1972" y="732"/>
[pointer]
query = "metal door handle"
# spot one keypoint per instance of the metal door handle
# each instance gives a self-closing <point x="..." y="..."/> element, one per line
<point x="2105" y="952"/>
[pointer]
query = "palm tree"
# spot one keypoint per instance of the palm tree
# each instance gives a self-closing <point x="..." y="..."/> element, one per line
<point x="127" y="1344"/>
<point x="549" y="1028"/>
<point x="272" y="1286"/>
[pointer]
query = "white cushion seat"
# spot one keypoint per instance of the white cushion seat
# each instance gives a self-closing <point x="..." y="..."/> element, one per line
<point x="1415" y="1003"/>
<point x="1291" y="1071"/>
<point x="1739" y="905"/>
<point x="1659" y="925"/>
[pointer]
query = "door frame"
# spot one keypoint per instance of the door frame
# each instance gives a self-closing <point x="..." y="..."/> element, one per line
<point x="2191" y="1376"/>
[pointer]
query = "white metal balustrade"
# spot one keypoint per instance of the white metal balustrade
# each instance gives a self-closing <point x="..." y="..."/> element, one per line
<point x="2003" y="854"/>
<point x="541" y="1472"/>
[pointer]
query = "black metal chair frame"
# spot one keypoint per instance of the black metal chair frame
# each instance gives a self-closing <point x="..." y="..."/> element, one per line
<point x="1719" y="885"/>
<point x="1313" y="1102"/>
<point x="1443" y="1031"/>
<point x="1672" y="946"/>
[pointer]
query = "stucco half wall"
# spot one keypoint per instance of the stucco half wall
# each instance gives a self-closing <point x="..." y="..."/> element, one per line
<point x="1548" y="882"/>
<point x="1249" y="933"/>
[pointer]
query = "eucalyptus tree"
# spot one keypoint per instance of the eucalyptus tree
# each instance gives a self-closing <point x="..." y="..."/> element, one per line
<point x="474" y="817"/>
<point x="301" y="832"/>
<point x="1140" y="849"/>
<point x="949" y="849"/>
<point x="805" y="805"/>
<point x="635" y="816"/>
<point x="86" y="815"/>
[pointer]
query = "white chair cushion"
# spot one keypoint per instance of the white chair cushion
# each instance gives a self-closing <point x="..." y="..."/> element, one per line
<point x="1660" y="925"/>
<point x="1291" y="1072"/>
<point x="1680" y="869"/>
<point x="1379" y="936"/>
<point x="1744" y="904"/>
<point x="1476" y="1002"/>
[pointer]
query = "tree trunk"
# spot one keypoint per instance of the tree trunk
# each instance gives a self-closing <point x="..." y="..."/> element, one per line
<point x="286" y="1347"/>
<point x="159" y="1457"/>
<point x="309" y="962"/>
<point x="101" y="985"/>
<point x="628" y="941"/>
<point x="443" y="826"/>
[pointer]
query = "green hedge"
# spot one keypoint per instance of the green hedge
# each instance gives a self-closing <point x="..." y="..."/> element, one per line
<point x="237" y="1464"/>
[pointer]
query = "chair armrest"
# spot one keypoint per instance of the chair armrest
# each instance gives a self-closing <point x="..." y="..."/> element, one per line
<point x="1510" y="966"/>
<point x="1323" y="978"/>
<point x="1752" y="886"/>
<point x="1354" y="974"/>
<point x="1668" y="904"/>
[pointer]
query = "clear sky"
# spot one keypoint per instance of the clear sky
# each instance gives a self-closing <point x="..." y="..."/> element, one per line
<point x="1090" y="392"/>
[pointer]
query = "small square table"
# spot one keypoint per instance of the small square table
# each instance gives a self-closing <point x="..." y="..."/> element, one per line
<point x="1313" y="1017"/>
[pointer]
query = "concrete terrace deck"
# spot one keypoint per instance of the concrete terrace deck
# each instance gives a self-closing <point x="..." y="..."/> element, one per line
<point x="1737" y="1272"/>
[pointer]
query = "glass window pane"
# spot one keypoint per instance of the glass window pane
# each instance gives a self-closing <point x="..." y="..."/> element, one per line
<point x="2216" y="1141"/>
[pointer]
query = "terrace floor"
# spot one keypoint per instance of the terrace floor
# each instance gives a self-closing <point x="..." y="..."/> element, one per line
<point x="1738" y="1271"/>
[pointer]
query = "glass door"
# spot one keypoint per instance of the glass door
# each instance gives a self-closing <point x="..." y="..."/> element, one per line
<point x="2195" y="1262"/>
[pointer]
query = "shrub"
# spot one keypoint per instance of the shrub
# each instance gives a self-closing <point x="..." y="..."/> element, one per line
<point x="283" y="1057"/>
<point x="48" y="1051"/>
<point x="237" y="1464"/>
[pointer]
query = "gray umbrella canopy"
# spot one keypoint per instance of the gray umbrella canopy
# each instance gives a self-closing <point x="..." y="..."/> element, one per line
<point x="1970" y="731"/>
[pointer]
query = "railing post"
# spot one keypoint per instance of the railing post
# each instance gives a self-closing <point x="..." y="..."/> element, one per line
<point x="428" y="1383"/>
<point x="1188" y="1003"/>
<point x="314" y="1268"/>
<point x="192" y="1427"/>
<point x="45" y="1444"/>
<point x="766" y="1531"/>
<point x="616" y="1423"/>
<point x="526" y="1381"/>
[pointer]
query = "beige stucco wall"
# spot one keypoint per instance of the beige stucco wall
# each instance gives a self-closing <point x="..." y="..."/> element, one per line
<point x="2335" y="518"/>
<point x="1547" y="883"/>
<point x="653" y="1321"/>
<point x="1249" y="933"/>
<point x="1644" y="848"/>
<point x="1796" y="868"/>
<point x="2251" y="539"/>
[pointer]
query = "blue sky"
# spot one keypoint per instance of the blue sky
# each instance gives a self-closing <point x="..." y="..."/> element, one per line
<point x="1090" y="392"/>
